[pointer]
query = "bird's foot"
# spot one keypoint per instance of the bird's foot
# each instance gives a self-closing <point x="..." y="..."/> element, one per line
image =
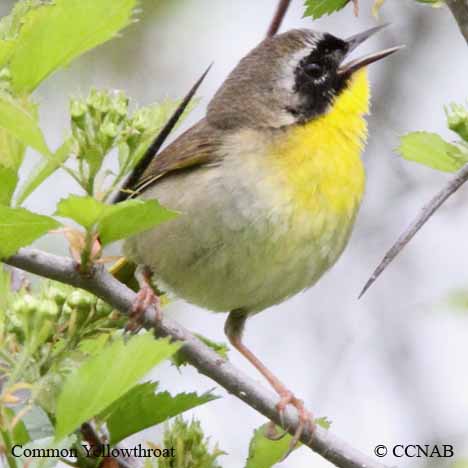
<point x="145" y="298"/>
<point x="305" y="419"/>
<point x="233" y="328"/>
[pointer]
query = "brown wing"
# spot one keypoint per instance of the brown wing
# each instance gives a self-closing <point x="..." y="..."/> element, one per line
<point x="197" y="146"/>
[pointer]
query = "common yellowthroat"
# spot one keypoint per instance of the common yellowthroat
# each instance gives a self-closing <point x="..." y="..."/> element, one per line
<point x="267" y="184"/>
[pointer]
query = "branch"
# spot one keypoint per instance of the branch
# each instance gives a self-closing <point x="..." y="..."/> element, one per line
<point x="417" y="224"/>
<point x="207" y="361"/>
<point x="459" y="9"/>
<point x="281" y="10"/>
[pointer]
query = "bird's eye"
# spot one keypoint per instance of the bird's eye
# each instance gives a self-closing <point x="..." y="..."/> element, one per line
<point x="314" y="70"/>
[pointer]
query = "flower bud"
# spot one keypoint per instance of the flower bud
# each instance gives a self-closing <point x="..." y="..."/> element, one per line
<point x="99" y="100"/>
<point x="120" y="103"/>
<point x="48" y="309"/>
<point x="457" y="119"/>
<point x="81" y="300"/>
<point x="27" y="306"/>
<point x="80" y="304"/>
<point x="15" y="326"/>
<point x="103" y="309"/>
<point x="107" y="132"/>
<point x="77" y="319"/>
<point x="141" y="119"/>
<point x="78" y="111"/>
<point x="56" y="294"/>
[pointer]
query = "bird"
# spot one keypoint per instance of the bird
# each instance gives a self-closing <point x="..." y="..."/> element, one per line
<point x="267" y="185"/>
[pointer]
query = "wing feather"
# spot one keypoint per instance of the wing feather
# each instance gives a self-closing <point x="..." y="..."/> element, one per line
<point x="197" y="146"/>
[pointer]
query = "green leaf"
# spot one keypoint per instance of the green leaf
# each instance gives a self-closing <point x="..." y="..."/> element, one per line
<point x="113" y="222"/>
<point x="6" y="51"/>
<point x="323" y="422"/>
<point x="54" y="34"/>
<point x="221" y="348"/>
<point x="263" y="452"/>
<point x="131" y="217"/>
<point x="86" y="211"/>
<point x="19" y="433"/>
<point x="45" y="168"/>
<point x="152" y="408"/>
<point x="10" y="26"/>
<point x="5" y="291"/>
<point x="218" y="346"/>
<point x="105" y="377"/>
<point x="318" y="8"/>
<point x="19" y="121"/>
<point x="431" y="150"/>
<point x="11" y="150"/>
<point x="8" y="181"/>
<point x="20" y="227"/>
<point x="462" y="463"/>
<point x="94" y="345"/>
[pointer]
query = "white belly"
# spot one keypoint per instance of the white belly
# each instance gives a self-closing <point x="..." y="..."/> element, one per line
<point x="237" y="243"/>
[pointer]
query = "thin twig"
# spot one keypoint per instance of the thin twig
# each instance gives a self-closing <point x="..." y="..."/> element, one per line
<point x="459" y="9"/>
<point x="278" y="17"/>
<point x="427" y="211"/>
<point x="91" y="436"/>
<point x="207" y="361"/>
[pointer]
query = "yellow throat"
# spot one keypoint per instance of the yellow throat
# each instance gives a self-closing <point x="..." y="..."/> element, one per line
<point x="320" y="161"/>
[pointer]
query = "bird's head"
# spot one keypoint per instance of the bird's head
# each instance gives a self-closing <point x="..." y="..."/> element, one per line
<point x="289" y="78"/>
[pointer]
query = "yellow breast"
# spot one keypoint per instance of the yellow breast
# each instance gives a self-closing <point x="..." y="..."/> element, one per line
<point x="320" y="161"/>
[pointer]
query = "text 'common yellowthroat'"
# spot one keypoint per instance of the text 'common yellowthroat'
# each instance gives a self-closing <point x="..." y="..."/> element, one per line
<point x="268" y="184"/>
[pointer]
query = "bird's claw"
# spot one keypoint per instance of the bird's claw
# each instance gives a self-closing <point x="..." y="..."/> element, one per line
<point x="271" y="432"/>
<point x="145" y="298"/>
<point x="305" y="419"/>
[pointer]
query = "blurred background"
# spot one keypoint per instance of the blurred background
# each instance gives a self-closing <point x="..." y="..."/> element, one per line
<point x="389" y="368"/>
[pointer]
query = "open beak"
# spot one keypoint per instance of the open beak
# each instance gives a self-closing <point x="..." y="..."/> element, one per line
<point x="358" y="39"/>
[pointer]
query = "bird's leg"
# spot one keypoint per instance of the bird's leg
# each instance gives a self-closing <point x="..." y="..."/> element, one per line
<point x="145" y="297"/>
<point x="233" y="328"/>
